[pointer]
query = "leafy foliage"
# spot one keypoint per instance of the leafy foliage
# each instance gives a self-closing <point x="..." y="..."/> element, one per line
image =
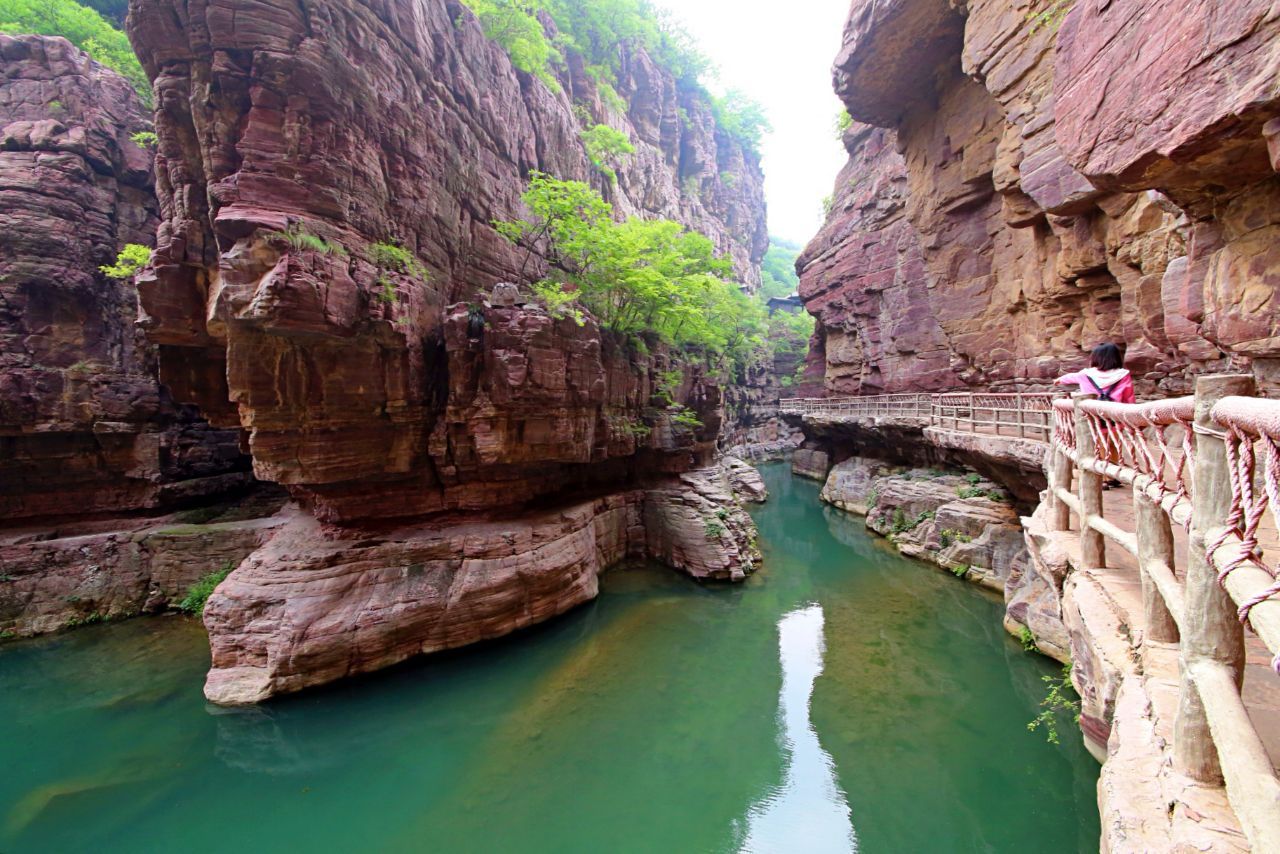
<point x="712" y="529"/>
<point x="843" y="122"/>
<point x="514" y="25"/>
<point x="789" y="334"/>
<point x="132" y="258"/>
<point x="144" y="138"/>
<point x="558" y="302"/>
<point x="393" y="256"/>
<point x="297" y="238"/>
<point x="742" y="117"/>
<point x="594" y="29"/>
<point x="606" y="147"/>
<point x="198" y="594"/>
<point x="900" y="524"/>
<point x="778" y="269"/>
<point x="84" y="28"/>
<point x="639" y="275"/>
<point x="684" y="417"/>
<point x="1051" y="17"/>
<point x="1058" y="700"/>
<point x="1028" y="639"/>
<point x="979" y="492"/>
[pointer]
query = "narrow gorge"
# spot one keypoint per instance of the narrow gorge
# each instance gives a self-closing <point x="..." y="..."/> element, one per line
<point x="1023" y="182"/>
<point x="448" y="341"/>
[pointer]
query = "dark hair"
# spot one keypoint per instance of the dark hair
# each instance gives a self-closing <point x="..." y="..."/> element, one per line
<point x="1106" y="357"/>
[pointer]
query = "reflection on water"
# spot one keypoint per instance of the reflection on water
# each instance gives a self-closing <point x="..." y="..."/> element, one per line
<point x="808" y="811"/>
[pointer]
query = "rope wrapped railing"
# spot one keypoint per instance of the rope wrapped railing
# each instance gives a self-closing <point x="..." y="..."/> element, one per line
<point x="1251" y="438"/>
<point x="1210" y="464"/>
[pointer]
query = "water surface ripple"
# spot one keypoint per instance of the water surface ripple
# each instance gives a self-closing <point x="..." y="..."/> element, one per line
<point x="842" y="687"/>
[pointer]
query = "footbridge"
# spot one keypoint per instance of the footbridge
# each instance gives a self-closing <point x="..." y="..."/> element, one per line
<point x="1188" y="545"/>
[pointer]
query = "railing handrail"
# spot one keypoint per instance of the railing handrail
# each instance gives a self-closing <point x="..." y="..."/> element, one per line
<point x="1162" y="450"/>
<point x="1027" y="413"/>
<point x="1214" y="741"/>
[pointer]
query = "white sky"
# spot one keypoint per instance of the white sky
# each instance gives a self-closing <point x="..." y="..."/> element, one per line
<point x="780" y="53"/>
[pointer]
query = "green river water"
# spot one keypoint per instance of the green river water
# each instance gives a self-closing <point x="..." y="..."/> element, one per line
<point x="844" y="698"/>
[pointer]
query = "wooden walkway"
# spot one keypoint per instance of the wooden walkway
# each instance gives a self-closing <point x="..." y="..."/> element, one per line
<point x="1175" y="595"/>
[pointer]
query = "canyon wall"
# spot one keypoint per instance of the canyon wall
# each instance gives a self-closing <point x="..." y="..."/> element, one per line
<point x="462" y="462"/>
<point x="91" y="444"/>
<point x="85" y="427"/>
<point x="365" y="124"/>
<point x="1026" y="180"/>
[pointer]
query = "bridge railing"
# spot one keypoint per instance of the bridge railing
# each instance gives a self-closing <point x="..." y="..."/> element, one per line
<point x="1210" y="464"/>
<point x="896" y="406"/>
<point x="1027" y="415"/>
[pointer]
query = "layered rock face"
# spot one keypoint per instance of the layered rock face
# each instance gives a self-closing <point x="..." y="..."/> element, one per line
<point x="85" y="428"/>
<point x="366" y="124"/>
<point x="540" y="413"/>
<point x="463" y="466"/>
<point x="1027" y="191"/>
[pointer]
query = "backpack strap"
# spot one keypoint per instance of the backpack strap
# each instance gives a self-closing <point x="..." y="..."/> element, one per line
<point x="1103" y="393"/>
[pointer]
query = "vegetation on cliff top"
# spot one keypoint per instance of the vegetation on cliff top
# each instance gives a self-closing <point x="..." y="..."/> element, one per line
<point x="84" y="28"/>
<point x="778" y="269"/>
<point x="594" y="29"/>
<point x="638" y="275"/>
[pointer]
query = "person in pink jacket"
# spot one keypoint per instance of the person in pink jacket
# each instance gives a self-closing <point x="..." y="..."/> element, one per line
<point x="1108" y="380"/>
<point x="1106" y="376"/>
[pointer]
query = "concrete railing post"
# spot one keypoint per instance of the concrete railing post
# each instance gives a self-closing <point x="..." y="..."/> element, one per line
<point x="1155" y="547"/>
<point x="1093" y="546"/>
<point x="1210" y="629"/>
<point x="1060" y="469"/>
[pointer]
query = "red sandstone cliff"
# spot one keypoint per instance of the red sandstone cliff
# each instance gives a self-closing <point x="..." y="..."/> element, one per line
<point x="366" y="123"/>
<point x="1044" y="177"/>
<point x="84" y="426"/>
<point x="462" y="467"/>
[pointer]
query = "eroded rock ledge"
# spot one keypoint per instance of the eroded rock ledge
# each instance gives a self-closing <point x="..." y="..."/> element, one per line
<point x="318" y="603"/>
<point x="963" y="523"/>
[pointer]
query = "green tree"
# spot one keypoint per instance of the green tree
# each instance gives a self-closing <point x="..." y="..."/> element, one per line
<point x="84" y="28"/>
<point x="514" y="25"/>
<point x="594" y="29"/>
<point x="742" y="117"/>
<point x="132" y="258"/>
<point x="606" y="147"/>
<point x="638" y="275"/>
<point x="778" y="269"/>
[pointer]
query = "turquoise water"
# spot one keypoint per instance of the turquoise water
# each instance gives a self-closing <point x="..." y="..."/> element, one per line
<point x="844" y="697"/>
